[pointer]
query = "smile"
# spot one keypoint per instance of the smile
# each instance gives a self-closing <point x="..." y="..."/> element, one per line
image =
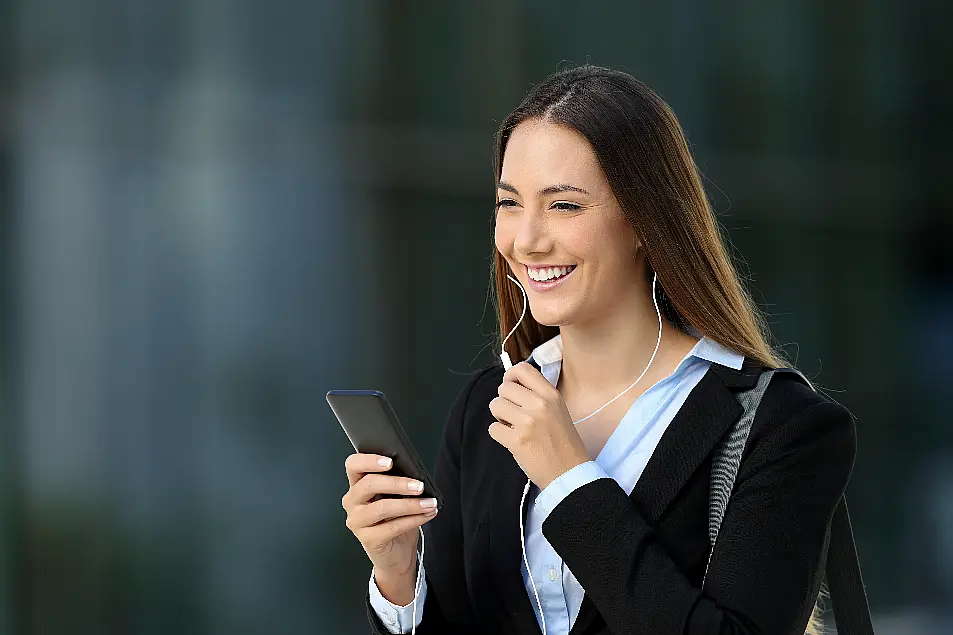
<point x="547" y="278"/>
<point x="542" y="274"/>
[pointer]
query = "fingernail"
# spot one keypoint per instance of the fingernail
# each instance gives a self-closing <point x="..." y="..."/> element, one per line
<point x="428" y="502"/>
<point x="384" y="461"/>
<point x="417" y="486"/>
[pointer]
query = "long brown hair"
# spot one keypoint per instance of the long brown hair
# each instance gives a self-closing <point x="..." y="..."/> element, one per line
<point x="642" y="150"/>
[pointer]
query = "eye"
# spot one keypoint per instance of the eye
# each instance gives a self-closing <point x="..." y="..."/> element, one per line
<point x="505" y="202"/>
<point x="563" y="205"/>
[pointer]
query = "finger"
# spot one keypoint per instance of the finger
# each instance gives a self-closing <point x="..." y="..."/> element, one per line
<point x="385" y="532"/>
<point x="357" y="465"/>
<point x="386" y="509"/>
<point x="374" y="484"/>
<point x="508" y="412"/>
<point x="501" y="433"/>
<point x="519" y="395"/>
<point x="525" y="374"/>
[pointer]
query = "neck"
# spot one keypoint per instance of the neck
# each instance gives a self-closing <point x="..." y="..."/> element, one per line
<point x="607" y="355"/>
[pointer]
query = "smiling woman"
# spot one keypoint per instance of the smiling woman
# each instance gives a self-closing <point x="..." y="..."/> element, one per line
<point x="603" y="167"/>
<point x="576" y="222"/>
<point x="609" y="184"/>
<point x="601" y="216"/>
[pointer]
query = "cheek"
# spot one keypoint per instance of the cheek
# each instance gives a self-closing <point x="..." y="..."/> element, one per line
<point x="589" y="238"/>
<point x="503" y="237"/>
<point x="606" y="245"/>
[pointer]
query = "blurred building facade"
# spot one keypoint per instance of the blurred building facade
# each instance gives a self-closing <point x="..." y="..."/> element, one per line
<point x="212" y="213"/>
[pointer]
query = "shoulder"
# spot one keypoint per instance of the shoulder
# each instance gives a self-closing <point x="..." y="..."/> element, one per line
<point x="479" y="383"/>
<point x="788" y="395"/>
<point x="469" y="413"/>
<point x="475" y="393"/>
<point x="793" y="417"/>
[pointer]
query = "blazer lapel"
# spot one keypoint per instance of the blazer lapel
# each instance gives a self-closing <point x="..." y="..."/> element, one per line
<point x="704" y="418"/>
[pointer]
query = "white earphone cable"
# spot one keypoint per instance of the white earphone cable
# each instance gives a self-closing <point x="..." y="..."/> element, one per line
<point x="507" y="364"/>
<point x="505" y="357"/>
<point x="658" y="341"/>
<point x="420" y="567"/>
<point x="526" y="562"/>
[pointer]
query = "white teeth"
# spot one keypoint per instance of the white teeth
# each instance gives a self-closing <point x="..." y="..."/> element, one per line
<point x="543" y="275"/>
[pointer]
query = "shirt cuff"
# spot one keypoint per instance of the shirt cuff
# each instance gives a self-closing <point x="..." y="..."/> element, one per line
<point x="565" y="484"/>
<point x="398" y="619"/>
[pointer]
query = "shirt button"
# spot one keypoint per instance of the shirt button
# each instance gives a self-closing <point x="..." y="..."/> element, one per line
<point x="552" y="574"/>
<point x="392" y="618"/>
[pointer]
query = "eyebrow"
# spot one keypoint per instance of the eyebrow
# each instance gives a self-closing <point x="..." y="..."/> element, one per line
<point x="552" y="189"/>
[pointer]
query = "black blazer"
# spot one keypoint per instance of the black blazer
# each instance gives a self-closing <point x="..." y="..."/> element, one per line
<point x="641" y="558"/>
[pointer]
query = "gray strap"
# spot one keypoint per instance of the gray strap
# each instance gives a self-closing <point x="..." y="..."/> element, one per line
<point x="851" y="611"/>
<point x="727" y="459"/>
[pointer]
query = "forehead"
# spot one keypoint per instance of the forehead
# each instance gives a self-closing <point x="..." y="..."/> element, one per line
<point x="545" y="153"/>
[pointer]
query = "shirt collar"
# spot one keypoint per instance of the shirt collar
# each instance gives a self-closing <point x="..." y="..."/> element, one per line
<point x="551" y="351"/>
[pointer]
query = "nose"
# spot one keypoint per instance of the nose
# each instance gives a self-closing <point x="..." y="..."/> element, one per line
<point x="532" y="236"/>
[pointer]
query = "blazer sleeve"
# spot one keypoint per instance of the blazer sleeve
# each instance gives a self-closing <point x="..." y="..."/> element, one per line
<point x="766" y="568"/>
<point x="447" y="607"/>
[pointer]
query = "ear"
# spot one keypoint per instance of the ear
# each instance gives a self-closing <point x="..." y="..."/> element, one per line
<point x="634" y="239"/>
<point x="636" y="246"/>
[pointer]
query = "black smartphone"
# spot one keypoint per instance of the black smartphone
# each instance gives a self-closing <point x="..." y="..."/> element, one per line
<point x="373" y="428"/>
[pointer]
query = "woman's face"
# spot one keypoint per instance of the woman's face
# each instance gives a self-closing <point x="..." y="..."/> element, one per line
<point x="556" y="209"/>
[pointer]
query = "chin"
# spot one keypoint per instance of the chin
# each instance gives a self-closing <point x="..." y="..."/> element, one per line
<point x="552" y="318"/>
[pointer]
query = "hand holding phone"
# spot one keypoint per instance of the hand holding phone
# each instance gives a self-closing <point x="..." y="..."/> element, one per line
<point x="384" y="509"/>
<point x="386" y="526"/>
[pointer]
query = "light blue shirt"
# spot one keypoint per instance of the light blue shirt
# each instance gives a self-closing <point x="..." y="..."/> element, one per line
<point x="622" y="458"/>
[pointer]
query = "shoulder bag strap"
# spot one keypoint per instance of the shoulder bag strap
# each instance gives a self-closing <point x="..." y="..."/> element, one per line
<point x="846" y="586"/>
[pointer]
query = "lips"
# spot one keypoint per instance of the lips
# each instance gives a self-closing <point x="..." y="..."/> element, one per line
<point x="547" y="285"/>
<point x="544" y="273"/>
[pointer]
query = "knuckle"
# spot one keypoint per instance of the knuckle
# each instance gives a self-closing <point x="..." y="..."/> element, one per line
<point x="371" y="513"/>
<point x="369" y="483"/>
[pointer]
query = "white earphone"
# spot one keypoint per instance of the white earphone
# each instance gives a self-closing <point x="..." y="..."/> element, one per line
<point x="420" y="567"/>
<point x="507" y="364"/>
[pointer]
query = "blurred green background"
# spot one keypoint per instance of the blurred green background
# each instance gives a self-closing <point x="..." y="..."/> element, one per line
<point x="213" y="212"/>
